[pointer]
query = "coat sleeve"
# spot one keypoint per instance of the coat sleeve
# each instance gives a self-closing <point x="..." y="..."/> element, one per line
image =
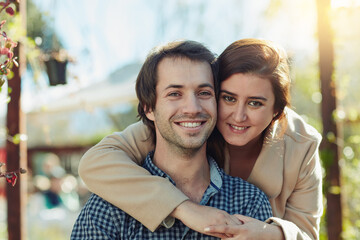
<point x="111" y="170"/>
<point x="304" y="206"/>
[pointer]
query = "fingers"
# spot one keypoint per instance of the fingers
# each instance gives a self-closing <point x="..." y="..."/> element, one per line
<point x="243" y="219"/>
<point x="228" y="230"/>
<point x="219" y="235"/>
<point x="224" y="219"/>
<point x="234" y="220"/>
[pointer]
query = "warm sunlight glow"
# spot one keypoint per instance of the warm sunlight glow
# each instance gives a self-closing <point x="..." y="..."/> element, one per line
<point x="345" y="3"/>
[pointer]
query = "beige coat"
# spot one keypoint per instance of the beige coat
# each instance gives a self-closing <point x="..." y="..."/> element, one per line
<point x="288" y="170"/>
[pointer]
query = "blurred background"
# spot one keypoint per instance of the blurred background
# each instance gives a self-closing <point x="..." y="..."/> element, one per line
<point x="82" y="59"/>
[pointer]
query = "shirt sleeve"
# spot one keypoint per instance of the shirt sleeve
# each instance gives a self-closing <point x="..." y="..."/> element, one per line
<point x="111" y="170"/>
<point x="95" y="221"/>
<point x="261" y="208"/>
<point x="304" y="207"/>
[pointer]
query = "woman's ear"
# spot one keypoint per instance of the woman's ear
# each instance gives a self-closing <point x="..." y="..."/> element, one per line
<point x="275" y="114"/>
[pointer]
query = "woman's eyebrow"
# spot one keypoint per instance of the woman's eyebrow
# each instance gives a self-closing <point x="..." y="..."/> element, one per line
<point x="227" y="92"/>
<point x="259" y="98"/>
<point x="254" y="97"/>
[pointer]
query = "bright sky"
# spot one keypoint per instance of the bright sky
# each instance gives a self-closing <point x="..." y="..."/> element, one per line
<point x="105" y="35"/>
<point x="345" y="3"/>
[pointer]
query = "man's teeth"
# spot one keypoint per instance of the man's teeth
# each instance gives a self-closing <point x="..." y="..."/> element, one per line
<point x="190" y="124"/>
<point x="238" y="128"/>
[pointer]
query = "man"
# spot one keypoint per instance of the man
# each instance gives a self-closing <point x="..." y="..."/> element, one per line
<point x="177" y="101"/>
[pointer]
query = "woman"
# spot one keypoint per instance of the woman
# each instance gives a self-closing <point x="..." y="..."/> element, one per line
<point x="257" y="138"/>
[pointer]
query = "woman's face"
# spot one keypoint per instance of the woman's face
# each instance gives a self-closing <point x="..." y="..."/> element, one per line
<point x="245" y="109"/>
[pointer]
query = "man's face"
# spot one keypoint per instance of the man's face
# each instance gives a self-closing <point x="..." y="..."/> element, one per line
<point x="185" y="110"/>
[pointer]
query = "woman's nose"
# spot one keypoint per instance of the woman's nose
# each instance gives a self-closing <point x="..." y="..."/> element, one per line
<point x="240" y="114"/>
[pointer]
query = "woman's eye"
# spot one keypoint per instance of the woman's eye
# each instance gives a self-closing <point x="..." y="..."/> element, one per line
<point x="228" y="98"/>
<point x="255" y="103"/>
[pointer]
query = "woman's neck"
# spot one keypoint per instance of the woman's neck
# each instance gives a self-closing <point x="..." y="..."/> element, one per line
<point x="243" y="158"/>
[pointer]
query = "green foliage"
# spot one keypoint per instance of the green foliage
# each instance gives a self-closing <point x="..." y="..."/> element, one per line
<point x="323" y="224"/>
<point x="3" y="231"/>
<point x="39" y="28"/>
<point x="305" y="91"/>
<point x="38" y="232"/>
<point x="123" y="119"/>
<point x="305" y="98"/>
<point x="35" y="24"/>
<point x="7" y="45"/>
<point x="350" y="167"/>
<point x="348" y="85"/>
<point x="327" y="157"/>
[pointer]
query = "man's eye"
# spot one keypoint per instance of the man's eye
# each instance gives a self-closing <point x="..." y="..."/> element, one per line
<point x="173" y="94"/>
<point x="228" y="98"/>
<point x="205" y="93"/>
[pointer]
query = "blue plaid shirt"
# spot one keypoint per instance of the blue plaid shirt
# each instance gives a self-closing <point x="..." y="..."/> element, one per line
<point x="101" y="220"/>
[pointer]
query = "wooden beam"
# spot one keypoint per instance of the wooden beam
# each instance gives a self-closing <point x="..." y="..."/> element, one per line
<point x="16" y="153"/>
<point x="329" y="147"/>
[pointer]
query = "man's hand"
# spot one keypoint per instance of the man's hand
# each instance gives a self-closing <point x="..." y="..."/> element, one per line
<point x="198" y="217"/>
<point x="251" y="229"/>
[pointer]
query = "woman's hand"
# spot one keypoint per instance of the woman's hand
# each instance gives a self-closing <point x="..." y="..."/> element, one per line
<point x="198" y="217"/>
<point x="251" y="229"/>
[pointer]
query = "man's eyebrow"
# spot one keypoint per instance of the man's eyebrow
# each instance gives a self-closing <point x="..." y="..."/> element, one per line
<point x="181" y="86"/>
<point x="174" y="86"/>
<point x="206" y="85"/>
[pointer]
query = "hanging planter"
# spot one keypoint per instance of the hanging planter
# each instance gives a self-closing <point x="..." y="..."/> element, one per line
<point x="55" y="64"/>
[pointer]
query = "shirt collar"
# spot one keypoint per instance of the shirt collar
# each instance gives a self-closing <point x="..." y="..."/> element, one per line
<point x="216" y="174"/>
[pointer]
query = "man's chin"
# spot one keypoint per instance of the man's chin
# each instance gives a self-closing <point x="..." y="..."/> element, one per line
<point x="194" y="144"/>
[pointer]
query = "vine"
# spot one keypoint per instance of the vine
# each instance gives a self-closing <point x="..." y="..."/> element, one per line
<point x="7" y="59"/>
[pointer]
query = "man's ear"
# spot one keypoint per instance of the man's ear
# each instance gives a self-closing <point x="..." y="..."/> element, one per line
<point x="149" y="114"/>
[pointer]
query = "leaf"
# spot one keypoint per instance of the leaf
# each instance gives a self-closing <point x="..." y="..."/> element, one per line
<point x="10" y="11"/>
<point x="11" y="178"/>
<point x="335" y="190"/>
<point x="16" y="139"/>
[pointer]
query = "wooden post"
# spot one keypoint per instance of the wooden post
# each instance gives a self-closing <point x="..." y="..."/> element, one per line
<point x="16" y="153"/>
<point x="329" y="145"/>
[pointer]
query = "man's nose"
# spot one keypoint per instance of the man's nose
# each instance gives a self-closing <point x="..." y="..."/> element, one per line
<point x="192" y="104"/>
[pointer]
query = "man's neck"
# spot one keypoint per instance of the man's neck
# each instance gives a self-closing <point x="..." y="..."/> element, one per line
<point x="189" y="170"/>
